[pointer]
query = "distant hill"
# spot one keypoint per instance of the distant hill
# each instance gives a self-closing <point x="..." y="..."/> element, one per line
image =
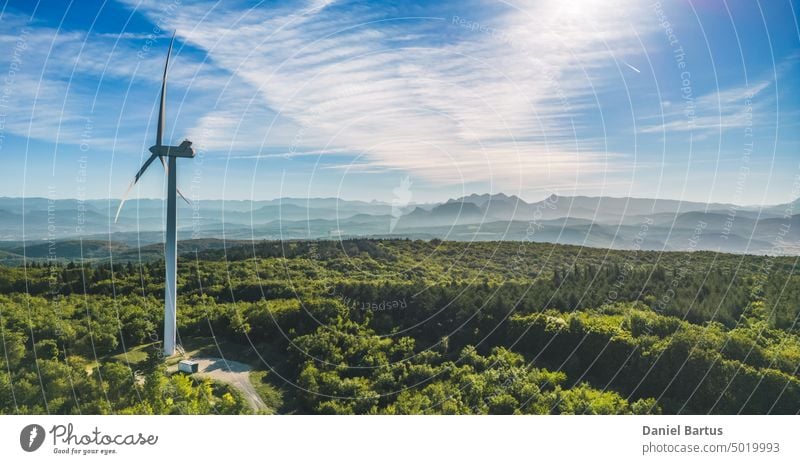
<point x="13" y="253"/>
<point x="450" y="213"/>
<point x="577" y="220"/>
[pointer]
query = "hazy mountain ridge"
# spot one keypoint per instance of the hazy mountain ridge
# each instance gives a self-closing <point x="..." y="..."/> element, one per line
<point x="622" y="223"/>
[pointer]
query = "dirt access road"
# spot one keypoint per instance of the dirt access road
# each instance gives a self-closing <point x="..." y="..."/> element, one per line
<point x="232" y="373"/>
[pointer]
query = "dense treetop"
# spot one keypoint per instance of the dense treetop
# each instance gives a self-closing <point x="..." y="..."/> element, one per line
<point x="400" y="326"/>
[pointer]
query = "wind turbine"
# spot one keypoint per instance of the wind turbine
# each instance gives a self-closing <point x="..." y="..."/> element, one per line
<point x="171" y="154"/>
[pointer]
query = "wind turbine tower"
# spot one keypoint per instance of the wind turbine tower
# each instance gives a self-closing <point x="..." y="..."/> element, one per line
<point x="168" y="156"/>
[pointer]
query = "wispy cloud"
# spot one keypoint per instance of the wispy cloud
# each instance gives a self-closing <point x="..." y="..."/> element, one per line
<point x="736" y="107"/>
<point x="76" y="87"/>
<point x="497" y="96"/>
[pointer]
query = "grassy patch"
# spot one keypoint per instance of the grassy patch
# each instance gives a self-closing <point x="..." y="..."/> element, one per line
<point x="134" y="355"/>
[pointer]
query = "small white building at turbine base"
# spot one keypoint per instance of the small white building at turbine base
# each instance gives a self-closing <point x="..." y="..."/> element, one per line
<point x="188" y="366"/>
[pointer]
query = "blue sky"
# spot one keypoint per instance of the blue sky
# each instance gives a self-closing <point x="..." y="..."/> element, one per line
<point x="694" y="100"/>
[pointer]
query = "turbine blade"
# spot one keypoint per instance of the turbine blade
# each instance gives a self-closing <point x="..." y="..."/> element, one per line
<point x="143" y="168"/>
<point x="161" y="108"/>
<point x="184" y="198"/>
<point x="133" y="182"/>
<point x="166" y="171"/>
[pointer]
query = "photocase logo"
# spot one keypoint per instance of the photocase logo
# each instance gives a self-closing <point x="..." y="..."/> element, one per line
<point x="402" y="197"/>
<point x="31" y="437"/>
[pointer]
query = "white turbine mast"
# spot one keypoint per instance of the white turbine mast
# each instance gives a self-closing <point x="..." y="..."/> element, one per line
<point x="168" y="156"/>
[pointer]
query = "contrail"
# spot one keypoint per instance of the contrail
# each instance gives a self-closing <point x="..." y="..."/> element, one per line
<point x="628" y="65"/>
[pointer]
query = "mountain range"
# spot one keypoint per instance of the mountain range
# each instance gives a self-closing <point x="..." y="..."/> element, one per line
<point x="29" y="224"/>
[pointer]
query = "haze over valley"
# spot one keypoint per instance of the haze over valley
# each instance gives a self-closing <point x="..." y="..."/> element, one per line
<point x="27" y="227"/>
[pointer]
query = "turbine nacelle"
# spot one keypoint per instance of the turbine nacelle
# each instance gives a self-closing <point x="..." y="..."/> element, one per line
<point x="184" y="150"/>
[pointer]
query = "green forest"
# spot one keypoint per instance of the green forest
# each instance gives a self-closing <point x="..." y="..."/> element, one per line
<point x="409" y="327"/>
